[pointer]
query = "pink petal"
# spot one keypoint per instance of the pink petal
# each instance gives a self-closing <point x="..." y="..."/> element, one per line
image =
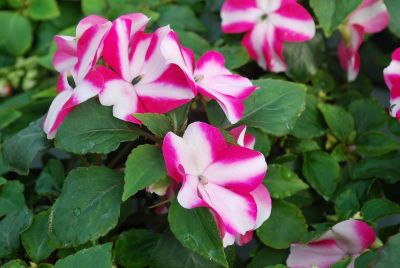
<point x="246" y="167"/>
<point x="372" y="15"/>
<point x="264" y="204"/>
<point x="61" y="106"/>
<point x="242" y="240"/>
<point x="321" y="254"/>
<point x="238" y="212"/>
<point x="91" y="85"/>
<point x="239" y="15"/>
<point x="88" y="22"/>
<point x="62" y="83"/>
<point x="293" y="23"/>
<point x="242" y="138"/>
<point x="65" y="57"/>
<point x="188" y="196"/>
<point x="392" y="79"/>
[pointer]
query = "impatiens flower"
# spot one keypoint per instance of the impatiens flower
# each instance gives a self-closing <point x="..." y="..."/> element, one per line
<point x="268" y="24"/>
<point x="370" y="17"/>
<point x="75" y="58"/>
<point x="346" y="239"/>
<point x="140" y="79"/>
<point x="214" y="174"/>
<point x="392" y="78"/>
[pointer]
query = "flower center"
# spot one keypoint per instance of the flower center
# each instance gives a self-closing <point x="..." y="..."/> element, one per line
<point x="198" y="78"/>
<point x="264" y="17"/>
<point x="203" y="180"/>
<point x="136" y="79"/>
<point x="71" y="81"/>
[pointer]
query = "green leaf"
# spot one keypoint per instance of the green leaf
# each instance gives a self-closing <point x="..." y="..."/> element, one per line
<point x="343" y="263"/>
<point x="36" y="239"/>
<point x="339" y="121"/>
<point x="310" y="123"/>
<point x="275" y="107"/>
<point x="283" y="182"/>
<point x="20" y="149"/>
<point x="216" y="115"/>
<point x="197" y="230"/>
<point x="180" y="18"/>
<point x="286" y="225"/>
<point x="90" y="7"/>
<point x="88" y="207"/>
<point x="11" y="197"/>
<point x="43" y="9"/>
<point x="12" y="23"/>
<point x="393" y="7"/>
<point x="51" y="179"/>
<point x="376" y="209"/>
<point x="14" y="264"/>
<point x="322" y="171"/>
<point x="389" y="255"/>
<point x="268" y="256"/>
<point x="169" y="253"/>
<point x="8" y="116"/>
<point x="198" y="44"/>
<point x="98" y="256"/>
<point x="145" y="166"/>
<point x="158" y="124"/>
<point x="10" y="228"/>
<point x="365" y="259"/>
<point x="235" y="56"/>
<point x="263" y="144"/>
<point x="346" y="204"/>
<point x="333" y="13"/>
<point x="375" y="143"/>
<point x="368" y="114"/>
<point x="91" y="128"/>
<point x="133" y="248"/>
<point x="302" y="146"/>
<point x="303" y="58"/>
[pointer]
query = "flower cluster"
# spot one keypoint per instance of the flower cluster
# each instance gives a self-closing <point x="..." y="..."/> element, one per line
<point x="137" y="72"/>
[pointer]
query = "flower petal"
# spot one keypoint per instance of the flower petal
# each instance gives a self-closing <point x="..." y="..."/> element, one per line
<point x="88" y="22"/>
<point x="188" y="196"/>
<point x="372" y="15"/>
<point x="91" y="85"/>
<point x="320" y="254"/>
<point x="264" y="204"/>
<point x="392" y="79"/>
<point x="242" y="240"/>
<point x="238" y="212"/>
<point x="242" y="138"/>
<point x="65" y="57"/>
<point x="62" y="83"/>
<point x="239" y="16"/>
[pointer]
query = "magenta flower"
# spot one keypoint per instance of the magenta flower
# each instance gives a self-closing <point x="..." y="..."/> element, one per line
<point x="346" y="239"/>
<point x="142" y="80"/>
<point x="267" y="24"/>
<point x="370" y="17"/>
<point x="392" y="78"/>
<point x="200" y="160"/>
<point x="75" y="59"/>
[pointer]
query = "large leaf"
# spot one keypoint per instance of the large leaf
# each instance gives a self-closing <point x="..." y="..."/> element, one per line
<point x="16" y="33"/>
<point x="91" y="128"/>
<point x="145" y="166"/>
<point x="235" y="56"/>
<point x="346" y="204"/>
<point x="389" y="254"/>
<point x="322" y="172"/>
<point x="286" y="225"/>
<point x="88" y="206"/>
<point x="20" y="149"/>
<point x="179" y="17"/>
<point x="376" y="209"/>
<point x="11" y="197"/>
<point x="339" y="121"/>
<point x="43" y="9"/>
<point x="10" y="228"/>
<point x="374" y="143"/>
<point x="158" y="124"/>
<point x="275" y="106"/>
<point x="283" y="182"/>
<point x="97" y="256"/>
<point x="197" y="230"/>
<point x="36" y="240"/>
<point x="393" y="7"/>
<point x="133" y="248"/>
<point x="368" y="114"/>
<point x="268" y="256"/>
<point x="333" y="13"/>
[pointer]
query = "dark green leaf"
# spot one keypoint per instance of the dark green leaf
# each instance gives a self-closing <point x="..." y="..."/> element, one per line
<point x="11" y="197"/>
<point x="375" y="143"/>
<point x="12" y="23"/>
<point x="322" y="171"/>
<point x="235" y="56"/>
<point x="51" y="179"/>
<point x="8" y="116"/>
<point x="365" y="259"/>
<point x="198" y="44"/>
<point x="263" y="144"/>
<point x="368" y="114"/>
<point x="283" y="182"/>
<point x="133" y="248"/>
<point x="285" y="226"/>
<point x="389" y="255"/>
<point x="376" y="209"/>
<point x="346" y="204"/>
<point x="14" y="264"/>
<point x="215" y="114"/>
<point x="158" y="124"/>
<point x="180" y="17"/>
<point x="88" y="206"/>
<point x="91" y="128"/>
<point x="197" y="230"/>
<point x="97" y="256"/>
<point x="145" y="166"/>
<point x="20" y="150"/>
<point x="43" y="9"/>
<point x="339" y="121"/>
<point x="268" y="256"/>
<point x="275" y="107"/>
<point x="393" y="7"/>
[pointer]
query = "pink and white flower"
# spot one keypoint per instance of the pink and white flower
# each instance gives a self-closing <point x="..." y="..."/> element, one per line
<point x="200" y="159"/>
<point x="346" y="239"/>
<point x="370" y="17"/>
<point x="75" y="59"/>
<point x="267" y="24"/>
<point x="392" y="78"/>
<point x="141" y="79"/>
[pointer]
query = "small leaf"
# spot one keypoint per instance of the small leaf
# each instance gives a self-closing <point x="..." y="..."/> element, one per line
<point x="393" y="7"/>
<point x="91" y="128"/>
<point x="8" y="116"/>
<point x="268" y="256"/>
<point x="376" y="209"/>
<point x="283" y="182"/>
<point x="20" y="149"/>
<point x="145" y="166"/>
<point x="373" y="143"/>
<point x="322" y="171"/>
<point x="12" y="23"/>
<point x="98" y="7"/>
<point x="43" y="9"/>
<point x="11" y="197"/>
<point x="158" y="124"/>
<point x="88" y="206"/>
<point x="51" y="179"/>
<point x="235" y="56"/>
<point x="286" y="225"/>
<point x="197" y="230"/>
<point x="368" y="115"/>
<point x="346" y="204"/>
<point x="180" y="17"/>
<point x="97" y="256"/>
<point x="339" y="121"/>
